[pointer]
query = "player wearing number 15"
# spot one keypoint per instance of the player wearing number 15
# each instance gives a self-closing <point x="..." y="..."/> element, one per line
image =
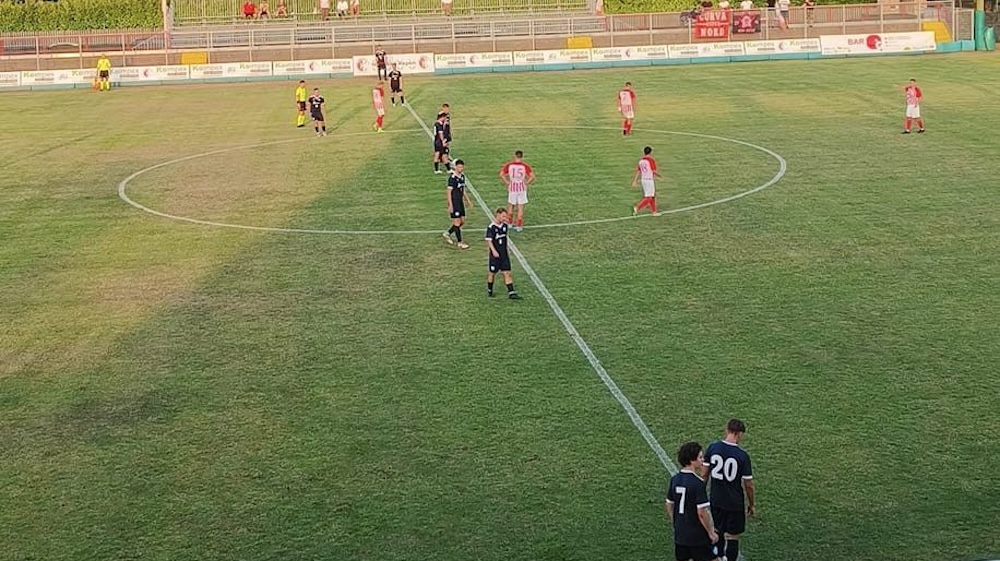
<point x="730" y="476"/>
<point x="688" y="508"/>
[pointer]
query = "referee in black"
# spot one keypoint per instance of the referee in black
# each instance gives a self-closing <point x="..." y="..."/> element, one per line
<point x="499" y="259"/>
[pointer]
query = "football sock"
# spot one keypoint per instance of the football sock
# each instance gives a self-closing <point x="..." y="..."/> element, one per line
<point x="324" y="128"/>
<point x="909" y="122"/>
<point x="451" y="230"/>
<point x="379" y="121"/>
<point x="920" y="123"/>
<point x="489" y="287"/>
<point x="316" y="128"/>
<point x="732" y="549"/>
<point x="402" y="99"/>
<point x="510" y="288"/>
<point x="458" y="233"/>
<point x="437" y="167"/>
<point x="520" y="222"/>
<point x="652" y="204"/>
<point x="393" y="100"/>
<point x="642" y="204"/>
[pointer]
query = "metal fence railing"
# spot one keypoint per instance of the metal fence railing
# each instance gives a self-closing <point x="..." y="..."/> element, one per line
<point x="200" y="12"/>
<point x="315" y="40"/>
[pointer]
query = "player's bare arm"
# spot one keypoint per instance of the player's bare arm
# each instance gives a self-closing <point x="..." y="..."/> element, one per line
<point x="706" y="522"/>
<point x="493" y="249"/>
<point x="451" y="208"/>
<point x="468" y="201"/>
<point x="748" y="486"/>
<point x="669" y="507"/>
<point x="531" y="178"/>
<point x="635" y="179"/>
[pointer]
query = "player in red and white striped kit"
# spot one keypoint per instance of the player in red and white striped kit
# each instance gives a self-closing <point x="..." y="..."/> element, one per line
<point x="645" y="171"/>
<point x="378" y="102"/>
<point x="913" y="97"/>
<point x="517" y="176"/>
<point x="626" y="106"/>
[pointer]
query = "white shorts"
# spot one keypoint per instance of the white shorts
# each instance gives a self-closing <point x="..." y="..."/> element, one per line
<point x="380" y="110"/>
<point x="912" y="111"/>
<point x="648" y="188"/>
<point x="628" y="113"/>
<point x="517" y="198"/>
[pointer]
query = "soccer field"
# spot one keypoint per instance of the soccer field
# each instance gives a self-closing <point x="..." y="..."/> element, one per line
<point x="333" y="384"/>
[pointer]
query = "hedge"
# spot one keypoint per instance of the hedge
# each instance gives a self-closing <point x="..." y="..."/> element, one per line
<point x="655" y="6"/>
<point x="79" y="15"/>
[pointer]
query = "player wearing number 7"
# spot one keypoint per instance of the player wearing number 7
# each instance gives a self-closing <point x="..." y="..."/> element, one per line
<point x="688" y="508"/>
<point x="730" y="475"/>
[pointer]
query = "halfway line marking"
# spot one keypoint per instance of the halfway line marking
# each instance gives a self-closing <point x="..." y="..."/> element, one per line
<point x="595" y="363"/>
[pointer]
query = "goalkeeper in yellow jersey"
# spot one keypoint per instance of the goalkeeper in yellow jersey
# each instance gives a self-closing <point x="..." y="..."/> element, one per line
<point x="104" y="73"/>
<point x="301" y="96"/>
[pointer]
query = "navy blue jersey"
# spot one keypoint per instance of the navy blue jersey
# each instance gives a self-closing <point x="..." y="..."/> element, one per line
<point x="316" y="103"/>
<point x="439" y="133"/>
<point x="688" y="494"/>
<point x="498" y="233"/>
<point x="728" y="465"/>
<point x="447" y="127"/>
<point x="456" y="187"/>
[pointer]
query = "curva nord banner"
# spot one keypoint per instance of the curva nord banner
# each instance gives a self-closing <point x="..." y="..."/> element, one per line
<point x="713" y="25"/>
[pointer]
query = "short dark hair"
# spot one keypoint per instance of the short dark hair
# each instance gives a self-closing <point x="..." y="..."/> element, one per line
<point x="445" y="105"/>
<point x="628" y="83"/>
<point x="459" y="163"/>
<point x="518" y="153"/>
<point x="913" y="79"/>
<point x="736" y="426"/>
<point x="441" y="115"/>
<point x="688" y="453"/>
<point x="499" y="210"/>
<point x="302" y="81"/>
<point x="647" y="150"/>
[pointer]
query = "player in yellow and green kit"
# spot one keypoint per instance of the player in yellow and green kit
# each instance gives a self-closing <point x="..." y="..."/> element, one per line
<point x="301" y="96"/>
<point x="104" y="73"/>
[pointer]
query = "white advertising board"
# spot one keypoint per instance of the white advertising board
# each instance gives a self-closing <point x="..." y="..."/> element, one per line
<point x="318" y="66"/>
<point x="474" y="60"/>
<point x="10" y="79"/>
<point x="415" y="63"/>
<point x="150" y="73"/>
<point x="874" y="43"/>
<point x="560" y="56"/>
<point x="230" y="70"/>
<point x="706" y="50"/>
<point x="787" y="46"/>
<point x="611" y="54"/>
<point x="58" y="77"/>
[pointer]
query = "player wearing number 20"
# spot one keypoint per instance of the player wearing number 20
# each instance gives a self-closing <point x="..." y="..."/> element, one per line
<point x="730" y="475"/>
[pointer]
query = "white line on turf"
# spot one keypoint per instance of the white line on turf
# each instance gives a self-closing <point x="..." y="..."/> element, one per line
<point x="595" y="363"/>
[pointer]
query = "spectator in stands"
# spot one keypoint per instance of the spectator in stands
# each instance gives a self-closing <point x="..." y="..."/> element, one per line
<point x="783" y="13"/>
<point x="249" y="9"/>
<point x="809" y="6"/>
<point x="324" y="9"/>
<point x="724" y="5"/>
<point x="282" y="11"/>
<point x="341" y="8"/>
<point x="746" y="5"/>
<point x="355" y="8"/>
<point x="265" y="11"/>
<point x="772" y="16"/>
<point x="446" y="7"/>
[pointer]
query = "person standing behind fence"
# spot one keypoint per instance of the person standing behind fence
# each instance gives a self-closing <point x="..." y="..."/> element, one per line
<point x="324" y="9"/>
<point x="104" y="73"/>
<point x="783" y="13"/>
<point x="355" y="8"/>
<point x="446" y="7"/>
<point x="810" y="7"/>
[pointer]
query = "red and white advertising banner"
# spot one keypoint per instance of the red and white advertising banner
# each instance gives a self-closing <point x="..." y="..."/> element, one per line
<point x="413" y="63"/>
<point x="58" y="77"/>
<point x="317" y="66"/>
<point x="150" y="73"/>
<point x="874" y="43"/>
<point x="230" y="70"/>
<point x="610" y="54"/>
<point x="706" y="50"/>
<point x="473" y="60"/>
<point x="560" y="56"/>
<point x="786" y="46"/>
<point x="713" y="25"/>
<point x="10" y="79"/>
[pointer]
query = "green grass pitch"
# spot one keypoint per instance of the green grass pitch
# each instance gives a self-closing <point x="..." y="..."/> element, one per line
<point x="173" y="391"/>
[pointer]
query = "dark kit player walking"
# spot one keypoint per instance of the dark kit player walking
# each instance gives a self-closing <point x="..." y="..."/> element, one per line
<point x="396" y="85"/>
<point x="457" y="199"/>
<point x="730" y="475"/>
<point x="499" y="258"/>
<point x="688" y="508"/>
<point x="380" y="63"/>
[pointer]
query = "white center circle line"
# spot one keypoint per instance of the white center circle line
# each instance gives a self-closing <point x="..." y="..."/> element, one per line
<point x="123" y="185"/>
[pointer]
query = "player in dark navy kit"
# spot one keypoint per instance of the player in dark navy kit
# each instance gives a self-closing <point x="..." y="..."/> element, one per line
<point x="316" y="106"/>
<point x="380" y="63"/>
<point x="499" y="259"/>
<point x="730" y="475"/>
<point x="446" y="109"/>
<point x="396" y="85"/>
<point x="457" y="199"/>
<point x="688" y="508"/>
<point x="440" y="144"/>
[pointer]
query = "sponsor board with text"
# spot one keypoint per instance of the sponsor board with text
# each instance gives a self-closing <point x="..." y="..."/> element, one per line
<point x="874" y="43"/>
<point x="782" y="47"/>
<point x="415" y="63"/>
<point x="557" y="56"/>
<point x="150" y="73"/>
<point x="706" y="50"/>
<point x="473" y="60"/>
<point x="611" y="54"/>
<point x="230" y="70"/>
<point x="10" y="79"/>
<point x="316" y="66"/>
<point x="58" y="77"/>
